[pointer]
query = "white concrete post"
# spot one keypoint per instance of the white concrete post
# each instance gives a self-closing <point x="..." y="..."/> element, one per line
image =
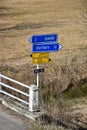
<point x="33" y="98"/>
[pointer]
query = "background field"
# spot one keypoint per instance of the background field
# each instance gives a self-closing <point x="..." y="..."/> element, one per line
<point x="20" y="19"/>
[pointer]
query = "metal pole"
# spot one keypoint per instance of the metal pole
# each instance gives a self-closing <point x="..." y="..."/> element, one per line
<point x="0" y="81"/>
<point x="37" y="76"/>
<point x="38" y="87"/>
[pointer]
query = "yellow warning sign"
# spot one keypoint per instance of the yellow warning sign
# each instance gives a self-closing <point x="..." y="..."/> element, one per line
<point x="40" y="55"/>
<point x="40" y="60"/>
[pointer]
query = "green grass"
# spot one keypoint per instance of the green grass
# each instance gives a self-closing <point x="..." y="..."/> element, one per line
<point x="77" y="92"/>
<point x="67" y="98"/>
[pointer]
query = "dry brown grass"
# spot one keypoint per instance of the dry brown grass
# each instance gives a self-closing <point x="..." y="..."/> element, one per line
<point x="21" y="19"/>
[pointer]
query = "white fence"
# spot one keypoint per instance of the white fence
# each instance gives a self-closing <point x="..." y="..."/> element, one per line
<point x="32" y="95"/>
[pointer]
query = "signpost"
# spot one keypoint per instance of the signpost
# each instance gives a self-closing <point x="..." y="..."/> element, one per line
<point x="41" y="46"/>
<point x="44" y="38"/>
<point x="52" y="47"/>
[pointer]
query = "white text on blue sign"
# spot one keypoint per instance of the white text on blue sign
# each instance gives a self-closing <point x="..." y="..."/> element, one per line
<point x="44" y="38"/>
<point x="46" y="47"/>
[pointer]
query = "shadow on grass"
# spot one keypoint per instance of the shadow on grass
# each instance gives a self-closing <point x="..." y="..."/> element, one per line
<point x="48" y="120"/>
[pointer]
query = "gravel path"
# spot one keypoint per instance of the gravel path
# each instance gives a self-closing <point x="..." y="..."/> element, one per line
<point x="8" y="122"/>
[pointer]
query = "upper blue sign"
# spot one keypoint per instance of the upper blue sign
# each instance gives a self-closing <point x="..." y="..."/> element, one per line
<point x="47" y="38"/>
<point x="46" y="47"/>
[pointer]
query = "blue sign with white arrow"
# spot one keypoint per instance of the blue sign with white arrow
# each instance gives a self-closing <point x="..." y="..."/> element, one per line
<point x="44" y="38"/>
<point x="46" y="47"/>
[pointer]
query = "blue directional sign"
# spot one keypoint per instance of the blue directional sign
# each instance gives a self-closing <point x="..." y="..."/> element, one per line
<point x="46" y="47"/>
<point x="47" y="38"/>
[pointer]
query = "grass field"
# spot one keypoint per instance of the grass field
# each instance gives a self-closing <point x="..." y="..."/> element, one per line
<point x="20" y="19"/>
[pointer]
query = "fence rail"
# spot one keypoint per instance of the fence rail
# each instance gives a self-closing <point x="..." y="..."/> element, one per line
<point x="32" y="96"/>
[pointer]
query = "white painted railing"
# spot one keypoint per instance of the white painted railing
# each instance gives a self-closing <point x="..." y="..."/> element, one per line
<point x="32" y="96"/>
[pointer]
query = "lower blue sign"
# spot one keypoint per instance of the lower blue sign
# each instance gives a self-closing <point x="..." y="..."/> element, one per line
<point x="46" y="47"/>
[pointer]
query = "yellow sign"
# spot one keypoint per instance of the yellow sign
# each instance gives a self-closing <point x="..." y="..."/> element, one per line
<point x="39" y="55"/>
<point x="40" y="60"/>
